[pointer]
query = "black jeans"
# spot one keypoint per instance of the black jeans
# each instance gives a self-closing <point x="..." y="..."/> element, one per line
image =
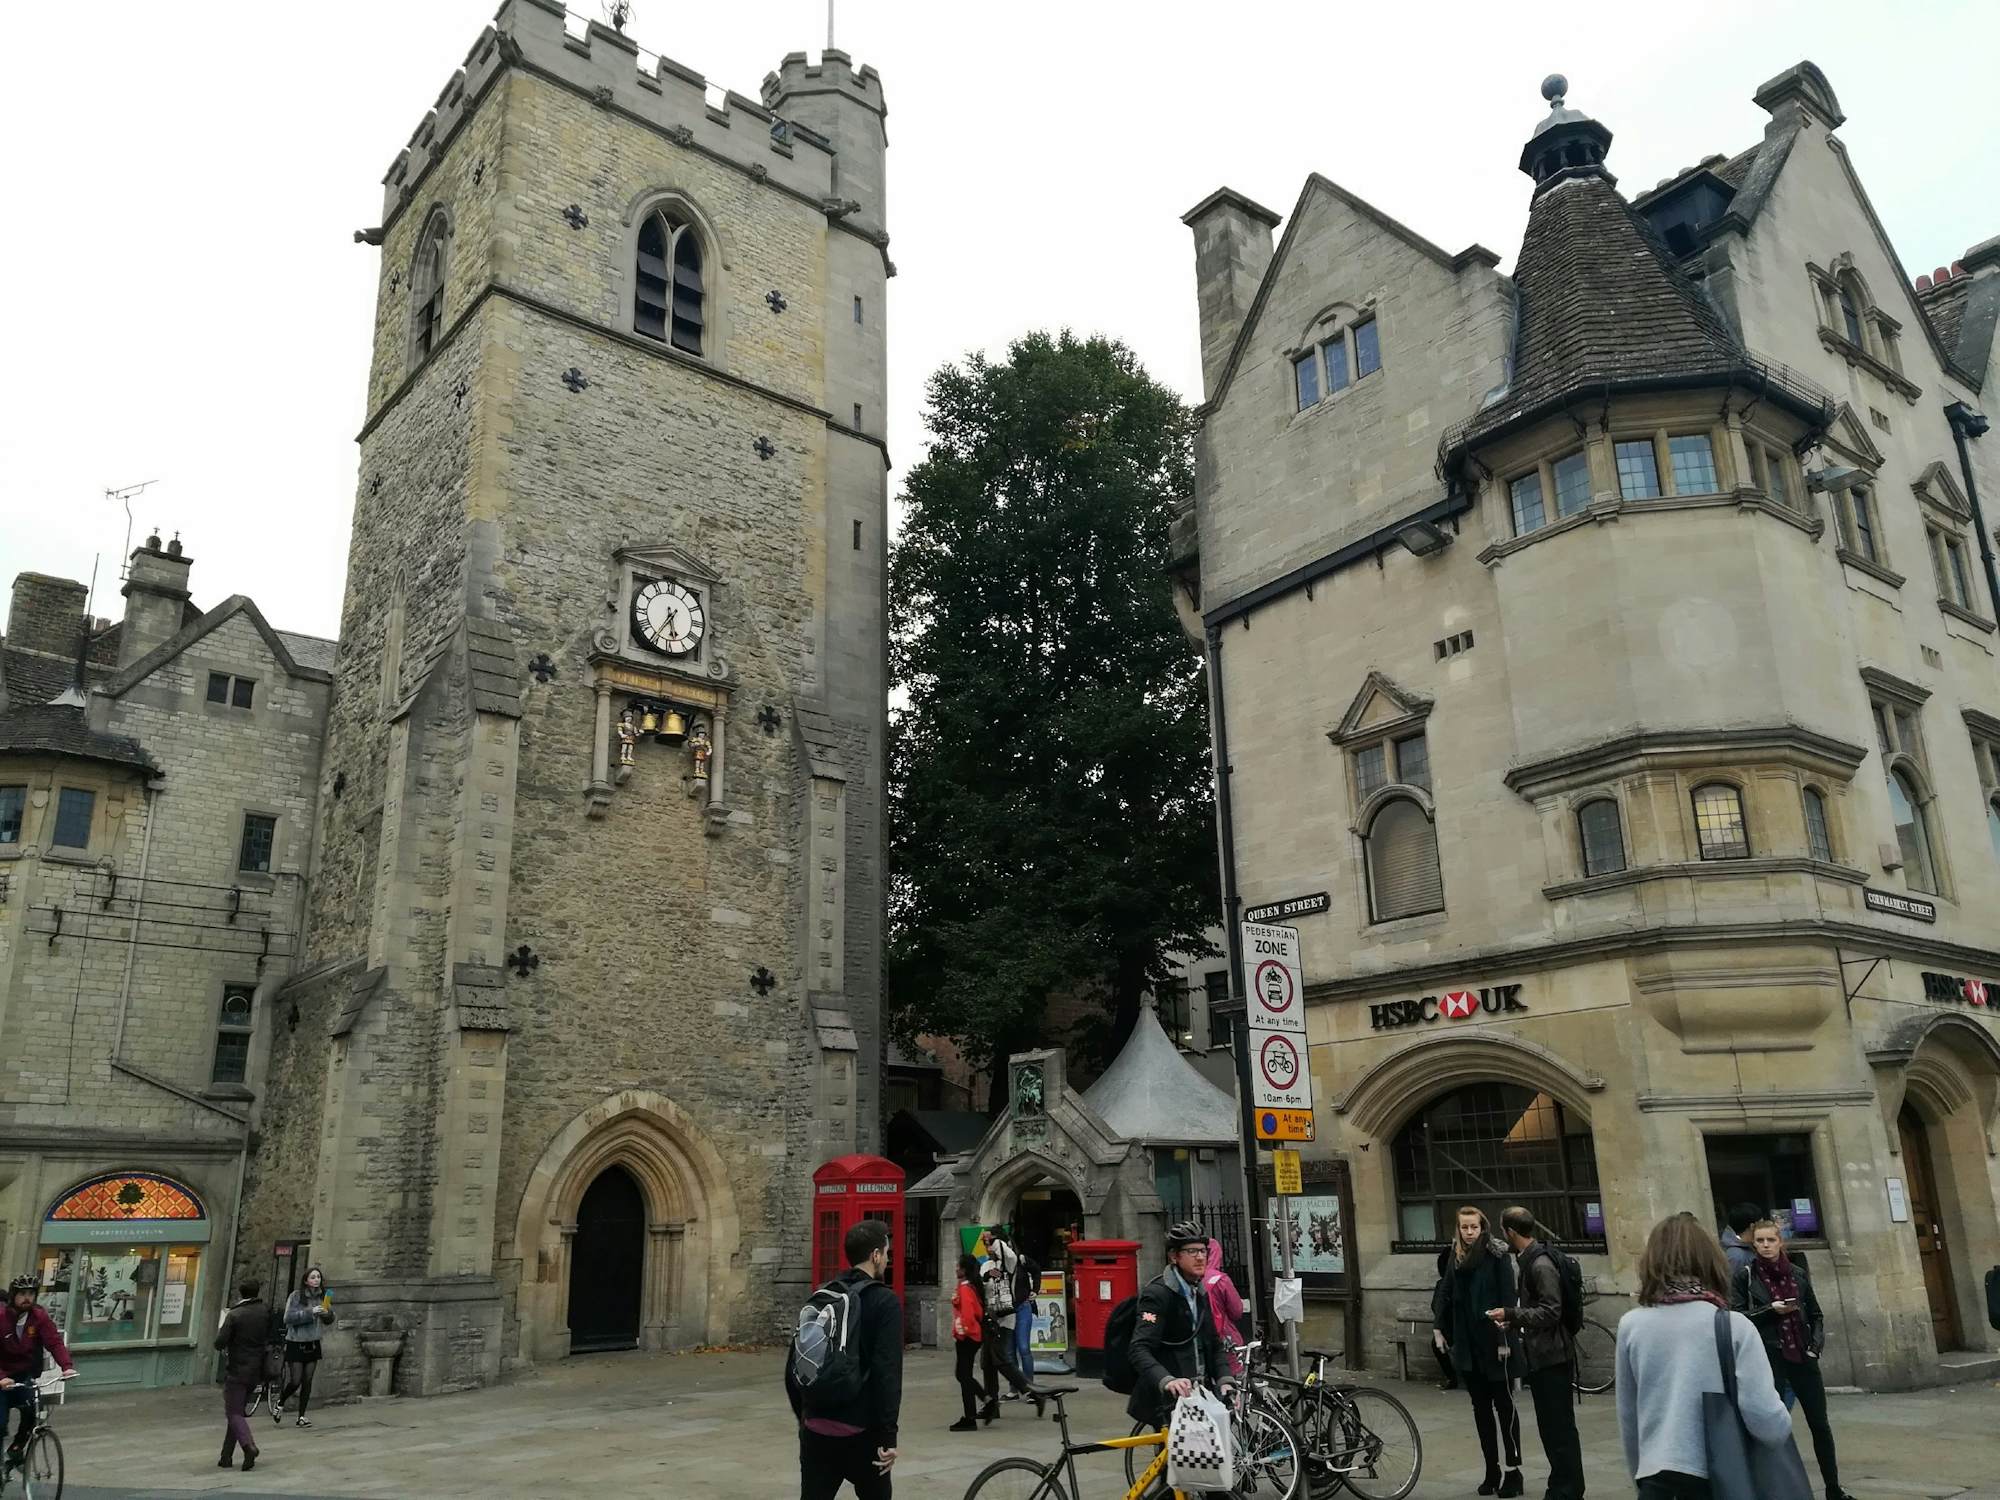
<point x="826" y="1463"/>
<point x="996" y="1357"/>
<point x="966" y="1351"/>
<point x="13" y="1400"/>
<point x="1667" y="1485"/>
<point x="1555" y="1421"/>
<point x="1806" y="1382"/>
<point x="1494" y="1415"/>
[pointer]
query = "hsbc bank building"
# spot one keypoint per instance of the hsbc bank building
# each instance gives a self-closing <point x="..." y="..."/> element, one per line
<point x="1604" y="685"/>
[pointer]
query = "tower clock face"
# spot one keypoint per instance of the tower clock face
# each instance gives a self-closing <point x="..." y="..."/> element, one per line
<point x="668" y="617"/>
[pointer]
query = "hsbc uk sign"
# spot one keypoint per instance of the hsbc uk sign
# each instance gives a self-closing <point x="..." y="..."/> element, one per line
<point x="1956" y="989"/>
<point x="1452" y="1005"/>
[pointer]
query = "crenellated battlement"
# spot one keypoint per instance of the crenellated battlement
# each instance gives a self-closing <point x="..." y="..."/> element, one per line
<point x="834" y="73"/>
<point x="614" y="71"/>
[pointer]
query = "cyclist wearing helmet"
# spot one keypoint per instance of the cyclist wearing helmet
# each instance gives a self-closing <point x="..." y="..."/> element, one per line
<point x="1174" y="1342"/>
<point x="26" y="1332"/>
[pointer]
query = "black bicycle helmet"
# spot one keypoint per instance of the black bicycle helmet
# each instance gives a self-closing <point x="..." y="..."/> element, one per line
<point x="22" y="1284"/>
<point x="1184" y="1234"/>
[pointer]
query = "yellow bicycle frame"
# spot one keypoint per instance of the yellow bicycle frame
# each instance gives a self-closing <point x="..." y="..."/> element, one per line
<point x="1153" y="1469"/>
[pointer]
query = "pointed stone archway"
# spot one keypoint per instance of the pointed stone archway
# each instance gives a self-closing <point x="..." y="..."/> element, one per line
<point x="687" y="1280"/>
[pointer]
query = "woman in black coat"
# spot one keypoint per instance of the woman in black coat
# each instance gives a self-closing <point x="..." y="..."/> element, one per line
<point x="1481" y="1277"/>
<point x="1775" y="1292"/>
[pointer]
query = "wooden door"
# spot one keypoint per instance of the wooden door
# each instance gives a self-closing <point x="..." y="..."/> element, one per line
<point x="607" y="1260"/>
<point x="1927" y="1219"/>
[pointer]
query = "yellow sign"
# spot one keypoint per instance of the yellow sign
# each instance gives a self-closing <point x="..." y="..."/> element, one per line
<point x="1284" y="1124"/>
<point x="1285" y="1172"/>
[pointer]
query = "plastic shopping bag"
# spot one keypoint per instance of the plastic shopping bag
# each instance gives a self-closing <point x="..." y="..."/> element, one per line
<point x="1200" y="1452"/>
<point x="1288" y="1301"/>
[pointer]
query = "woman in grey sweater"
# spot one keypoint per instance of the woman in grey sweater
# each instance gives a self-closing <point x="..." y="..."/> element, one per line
<point x="307" y="1311"/>
<point x="1667" y="1359"/>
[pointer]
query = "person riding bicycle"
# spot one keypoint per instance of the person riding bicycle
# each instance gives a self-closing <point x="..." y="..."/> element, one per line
<point x="1174" y="1340"/>
<point x="26" y="1333"/>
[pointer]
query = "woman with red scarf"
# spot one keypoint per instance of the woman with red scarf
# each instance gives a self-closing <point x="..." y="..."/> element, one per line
<point x="1776" y="1293"/>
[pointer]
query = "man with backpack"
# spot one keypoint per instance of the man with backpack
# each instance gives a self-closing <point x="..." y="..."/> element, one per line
<point x="844" y="1375"/>
<point x="1001" y="1278"/>
<point x="1549" y="1312"/>
<point x="1027" y="1282"/>
<point x="1174" y="1344"/>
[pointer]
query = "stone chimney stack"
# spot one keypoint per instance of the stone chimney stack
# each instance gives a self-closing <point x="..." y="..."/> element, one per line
<point x="45" y="615"/>
<point x="156" y="596"/>
<point x="1232" y="249"/>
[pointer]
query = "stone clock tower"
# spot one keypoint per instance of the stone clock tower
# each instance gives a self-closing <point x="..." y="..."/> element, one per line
<point x="596" y="922"/>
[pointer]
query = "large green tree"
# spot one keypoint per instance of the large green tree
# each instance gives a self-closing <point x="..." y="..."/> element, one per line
<point x="1049" y="781"/>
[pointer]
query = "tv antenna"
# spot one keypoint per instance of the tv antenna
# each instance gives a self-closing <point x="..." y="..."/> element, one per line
<point x="125" y="497"/>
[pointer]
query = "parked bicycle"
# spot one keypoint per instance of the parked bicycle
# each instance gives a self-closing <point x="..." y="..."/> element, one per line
<point x="1355" y="1436"/>
<point x="41" y="1467"/>
<point x="1026" y="1479"/>
<point x="1596" y="1363"/>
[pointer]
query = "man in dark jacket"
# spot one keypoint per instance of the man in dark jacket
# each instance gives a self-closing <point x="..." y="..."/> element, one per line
<point x="26" y="1332"/>
<point x="243" y="1338"/>
<point x="1174" y="1342"/>
<point x="855" y="1442"/>
<point x="1545" y="1343"/>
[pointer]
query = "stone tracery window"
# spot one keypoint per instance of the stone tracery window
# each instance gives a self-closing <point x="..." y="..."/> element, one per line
<point x="670" y="295"/>
<point x="427" y="282"/>
<point x="1489" y="1146"/>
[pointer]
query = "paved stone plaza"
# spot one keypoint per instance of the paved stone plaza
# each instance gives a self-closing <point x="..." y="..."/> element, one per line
<point x="716" y="1425"/>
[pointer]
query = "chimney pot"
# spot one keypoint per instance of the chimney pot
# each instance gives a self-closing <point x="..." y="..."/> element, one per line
<point x="1923" y="283"/>
<point x="174" y="547"/>
<point x="153" y="540"/>
<point x="1958" y="268"/>
<point x="1940" y="276"/>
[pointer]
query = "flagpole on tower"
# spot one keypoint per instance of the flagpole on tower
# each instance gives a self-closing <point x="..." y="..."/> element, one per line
<point x="829" y="24"/>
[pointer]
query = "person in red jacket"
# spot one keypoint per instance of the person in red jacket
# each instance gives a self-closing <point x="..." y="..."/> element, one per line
<point x="26" y="1333"/>
<point x="968" y="1315"/>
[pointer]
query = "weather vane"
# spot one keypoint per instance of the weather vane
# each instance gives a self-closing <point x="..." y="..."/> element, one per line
<point x="618" y="13"/>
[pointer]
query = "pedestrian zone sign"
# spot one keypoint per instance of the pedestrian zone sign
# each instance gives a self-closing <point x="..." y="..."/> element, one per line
<point x="1276" y="979"/>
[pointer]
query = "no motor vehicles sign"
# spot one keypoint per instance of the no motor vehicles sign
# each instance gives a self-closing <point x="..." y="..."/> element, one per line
<point x="1276" y="979"/>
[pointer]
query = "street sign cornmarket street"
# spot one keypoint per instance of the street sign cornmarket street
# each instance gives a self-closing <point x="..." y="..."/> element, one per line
<point x="1293" y="906"/>
<point x="1897" y="905"/>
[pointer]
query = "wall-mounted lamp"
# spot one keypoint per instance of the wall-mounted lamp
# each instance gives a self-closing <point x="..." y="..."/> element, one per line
<point x="1423" y="539"/>
<point x="1826" y="481"/>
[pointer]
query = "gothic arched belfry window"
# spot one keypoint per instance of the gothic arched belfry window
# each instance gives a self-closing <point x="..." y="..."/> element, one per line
<point x="427" y="279"/>
<point x="670" y="291"/>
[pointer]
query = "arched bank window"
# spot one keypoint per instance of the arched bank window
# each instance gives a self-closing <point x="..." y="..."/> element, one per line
<point x="1403" y="875"/>
<point x="1913" y="835"/>
<point x="1603" y="838"/>
<point x="670" y="293"/>
<point x="1492" y="1145"/>
<point x="1718" y="822"/>
<point x="1819" y="833"/>
<point x="119" y="1263"/>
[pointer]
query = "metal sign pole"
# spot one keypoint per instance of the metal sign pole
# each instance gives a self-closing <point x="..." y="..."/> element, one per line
<point x="1285" y="1269"/>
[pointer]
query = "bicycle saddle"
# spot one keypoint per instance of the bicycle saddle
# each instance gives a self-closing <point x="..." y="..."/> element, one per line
<point x="1057" y="1390"/>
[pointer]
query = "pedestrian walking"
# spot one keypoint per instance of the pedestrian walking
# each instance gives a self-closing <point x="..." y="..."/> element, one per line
<point x="1027" y="1282"/>
<point x="996" y="1348"/>
<point x="1775" y="1292"/>
<point x="1482" y="1278"/>
<point x="1667" y="1361"/>
<point x="1174" y="1343"/>
<point x="245" y="1339"/>
<point x="848" y="1412"/>
<point x="1447" y="1371"/>
<point x="968" y="1315"/>
<point x="1225" y="1306"/>
<point x="308" y="1311"/>
<point x="1536" y="1321"/>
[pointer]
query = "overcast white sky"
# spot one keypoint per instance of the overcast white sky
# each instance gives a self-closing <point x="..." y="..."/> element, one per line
<point x="183" y="300"/>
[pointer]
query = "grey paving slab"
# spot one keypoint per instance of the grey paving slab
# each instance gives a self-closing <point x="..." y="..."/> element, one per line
<point x="715" y="1427"/>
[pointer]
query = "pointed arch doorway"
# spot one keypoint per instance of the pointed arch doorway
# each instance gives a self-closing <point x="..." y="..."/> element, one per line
<point x="1926" y="1217"/>
<point x="607" y="1264"/>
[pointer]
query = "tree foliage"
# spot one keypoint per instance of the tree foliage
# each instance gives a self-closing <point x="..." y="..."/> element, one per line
<point x="1049" y="782"/>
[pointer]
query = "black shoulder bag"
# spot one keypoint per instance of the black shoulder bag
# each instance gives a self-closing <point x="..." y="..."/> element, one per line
<point x="1740" y="1467"/>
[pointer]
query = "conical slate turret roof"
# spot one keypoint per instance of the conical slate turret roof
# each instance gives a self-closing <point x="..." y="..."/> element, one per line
<point x="1152" y="1093"/>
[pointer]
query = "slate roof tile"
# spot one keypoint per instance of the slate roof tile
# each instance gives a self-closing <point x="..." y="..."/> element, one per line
<point x="51" y="729"/>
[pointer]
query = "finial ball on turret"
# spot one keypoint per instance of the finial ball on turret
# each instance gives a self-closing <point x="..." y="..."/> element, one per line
<point x="1554" y="87"/>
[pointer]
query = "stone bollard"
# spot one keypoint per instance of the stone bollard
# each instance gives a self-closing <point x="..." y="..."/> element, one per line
<point x="382" y="1346"/>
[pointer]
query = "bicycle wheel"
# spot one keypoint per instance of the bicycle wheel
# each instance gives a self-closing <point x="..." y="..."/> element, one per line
<point x="256" y="1398"/>
<point x="1378" y="1451"/>
<point x="1271" y="1456"/>
<point x="42" y="1467"/>
<point x="1596" y="1364"/>
<point x="1016" y="1479"/>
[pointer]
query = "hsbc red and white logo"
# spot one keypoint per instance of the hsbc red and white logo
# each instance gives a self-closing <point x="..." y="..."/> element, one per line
<point x="1452" y="1005"/>
<point x="1959" y="989"/>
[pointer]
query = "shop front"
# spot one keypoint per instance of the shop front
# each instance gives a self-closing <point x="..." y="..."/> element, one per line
<point x="1857" y="1109"/>
<point x="124" y="1265"/>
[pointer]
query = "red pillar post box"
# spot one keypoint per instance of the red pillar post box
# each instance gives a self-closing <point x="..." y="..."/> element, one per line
<point x="1103" y="1273"/>
<point x="847" y="1190"/>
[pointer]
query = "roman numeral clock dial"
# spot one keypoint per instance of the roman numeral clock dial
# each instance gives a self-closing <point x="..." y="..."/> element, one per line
<point x="668" y="617"/>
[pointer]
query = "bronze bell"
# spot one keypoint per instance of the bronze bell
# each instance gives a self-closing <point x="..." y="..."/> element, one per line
<point x="673" y="728"/>
<point x="649" y="720"/>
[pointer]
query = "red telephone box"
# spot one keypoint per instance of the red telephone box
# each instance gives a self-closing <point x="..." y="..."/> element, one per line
<point x="847" y="1190"/>
<point x="1103" y="1274"/>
